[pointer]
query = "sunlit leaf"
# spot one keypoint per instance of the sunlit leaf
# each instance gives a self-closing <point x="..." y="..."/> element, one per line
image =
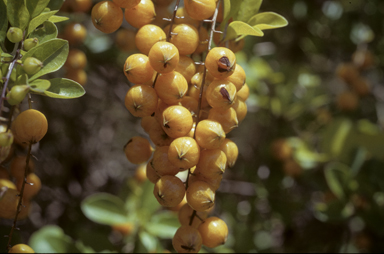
<point x="62" y="88"/>
<point x="148" y="241"/>
<point x="226" y="9"/>
<point x="40" y="85"/>
<point x="267" y="20"/>
<point x="35" y="7"/>
<point x="35" y="22"/>
<point x="163" y="225"/>
<point x="248" y="8"/>
<point x="57" y="19"/>
<point x="52" y="54"/>
<point x="335" y="136"/>
<point x="239" y="28"/>
<point x="104" y="208"/>
<point x="18" y="14"/>
<point x="337" y="176"/>
<point x="46" y="32"/>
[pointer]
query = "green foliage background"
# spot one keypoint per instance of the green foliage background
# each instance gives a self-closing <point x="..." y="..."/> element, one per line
<point x="335" y="205"/>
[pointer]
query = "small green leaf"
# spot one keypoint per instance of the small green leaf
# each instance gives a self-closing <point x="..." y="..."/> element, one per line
<point x="163" y="225"/>
<point x="3" y="21"/>
<point x="57" y="19"/>
<point x="239" y="28"/>
<point x="35" y="7"/>
<point x="148" y="241"/>
<point x="234" y="7"/>
<point x="104" y="208"/>
<point x="18" y="14"/>
<point x="267" y="20"/>
<point x="51" y="239"/>
<point x="62" y="88"/>
<point x="22" y="80"/>
<point x="248" y="8"/>
<point x="52" y="54"/>
<point x="335" y="136"/>
<point x="337" y="175"/>
<point x="226" y="9"/>
<point x="46" y="32"/>
<point x="35" y="22"/>
<point x="40" y="85"/>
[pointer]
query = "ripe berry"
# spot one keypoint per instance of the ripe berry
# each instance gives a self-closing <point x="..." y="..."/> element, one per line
<point x="137" y="69"/>
<point x="158" y="136"/>
<point x="185" y="214"/>
<point x="182" y="17"/>
<point x="186" y="67"/>
<point x="107" y="16"/>
<point x="231" y="151"/>
<point x="18" y="164"/>
<point x="147" y="122"/>
<point x="171" y="87"/>
<point x="243" y="93"/>
<point x="221" y="94"/>
<point x="6" y="138"/>
<point x="141" y="100"/>
<point x="15" y="34"/>
<point x="138" y="150"/>
<point x="209" y="134"/>
<point x="8" y="203"/>
<point x="140" y="173"/>
<point x="140" y="15"/>
<point x="281" y="149"/>
<point x="177" y="121"/>
<point x="75" y="33"/>
<point x="161" y="13"/>
<point x="4" y="173"/>
<point x="200" y="9"/>
<point x="78" y="75"/>
<point x="161" y="163"/>
<point x="32" y="65"/>
<point x="200" y="196"/>
<point x="30" y="43"/>
<point x="147" y="36"/>
<point x="7" y="183"/>
<point x="185" y="37"/>
<point x="124" y="39"/>
<point x="30" y="126"/>
<point x="81" y="5"/>
<point x="220" y="62"/>
<point x="203" y="41"/>
<point x="241" y="109"/>
<point x="187" y="239"/>
<point x="238" y="77"/>
<point x="348" y="72"/>
<point x="30" y="190"/>
<point x="292" y="168"/>
<point x="21" y="248"/>
<point x="212" y="164"/>
<point x="191" y="104"/>
<point x="169" y="191"/>
<point x="213" y="231"/>
<point x="184" y="152"/>
<point x="126" y="3"/>
<point x="151" y="174"/>
<point x="164" y="57"/>
<point x="76" y="59"/>
<point x="227" y="118"/>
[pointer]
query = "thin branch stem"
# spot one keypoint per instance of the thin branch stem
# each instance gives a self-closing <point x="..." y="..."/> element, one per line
<point x="20" y="195"/>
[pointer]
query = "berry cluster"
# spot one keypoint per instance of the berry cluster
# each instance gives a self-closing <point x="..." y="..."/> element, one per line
<point x="186" y="108"/>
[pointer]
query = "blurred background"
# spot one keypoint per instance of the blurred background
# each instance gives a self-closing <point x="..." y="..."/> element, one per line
<point x="309" y="176"/>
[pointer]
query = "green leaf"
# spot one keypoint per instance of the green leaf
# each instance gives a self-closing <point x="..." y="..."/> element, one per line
<point x="22" y="80"/>
<point x="148" y="203"/>
<point x="104" y="208"/>
<point x="148" y="241"/>
<point x="239" y="28"/>
<point x="337" y="176"/>
<point x="51" y="239"/>
<point x="163" y="225"/>
<point x="234" y="7"/>
<point x="3" y="21"/>
<point x="248" y="8"/>
<point x="62" y="88"/>
<point x="35" y="22"/>
<point x="335" y="136"/>
<point x="46" y="32"/>
<point x="226" y="8"/>
<point x="57" y="19"/>
<point x="18" y="14"/>
<point x="40" y="85"/>
<point x="35" y="7"/>
<point x="267" y="20"/>
<point x="52" y="54"/>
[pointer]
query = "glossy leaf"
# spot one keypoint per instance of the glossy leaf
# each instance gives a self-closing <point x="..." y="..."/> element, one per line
<point x="239" y="28"/>
<point x="62" y="88"/>
<point x="226" y="9"/>
<point x="39" y="20"/>
<point x="104" y="208"/>
<point x="231" y="13"/>
<point x="51" y="239"/>
<point x="337" y="175"/>
<point x="267" y="20"/>
<point x="52" y="54"/>
<point x="247" y="9"/>
<point x="40" y="85"/>
<point x="35" y="7"/>
<point x="57" y="19"/>
<point x="18" y="14"/>
<point x="46" y="32"/>
<point x="3" y="22"/>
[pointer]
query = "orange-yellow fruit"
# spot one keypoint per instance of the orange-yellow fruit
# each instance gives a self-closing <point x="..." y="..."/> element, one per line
<point x="18" y="166"/>
<point x="126" y="3"/>
<point x="281" y="149"/>
<point x="169" y="191"/>
<point x="187" y="239"/>
<point x="147" y="36"/>
<point x="141" y="100"/>
<point x="231" y="151"/>
<point x="107" y="16"/>
<point x="171" y="87"/>
<point x="8" y="203"/>
<point x="30" y="126"/>
<point x="75" y="33"/>
<point x="161" y="164"/>
<point x="220" y="62"/>
<point x="200" y="196"/>
<point x="76" y="59"/>
<point x="138" y="150"/>
<point x="81" y="5"/>
<point x="200" y="9"/>
<point x="185" y="37"/>
<point x="209" y="134"/>
<point x="163" y="56"/>
<point x="140" y="15"/>
<point x="213" y="231"/>
<point x="21" y="248"/>
<point x="32" y="187"/>
<point x="151" y="174"/>
<point x="184" y="152"/>
<point x="137" y="69"/>
<point x="78" y="75"/>
<point x="177" y="121"/>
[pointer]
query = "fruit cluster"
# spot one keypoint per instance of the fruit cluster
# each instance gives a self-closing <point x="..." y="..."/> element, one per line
<point x="358" y="86"/>
<point x="187" y="109"/>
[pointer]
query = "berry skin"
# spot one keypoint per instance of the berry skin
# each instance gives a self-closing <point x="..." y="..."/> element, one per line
<point x="15" y="34"/>
<point x="30" y="190"/>
<point x="184" y="152"/>
<point x="220" y="62"/>
<point x="281" y="150"/>
<point x="32" y="65"/>
<point x="147" y="36"/>
<point x="243" y="93"/>
<point x="186" y="67"/>
<point x="212" y="164"/>
<point x="209" y="134"/>
<point x="81" y="5"/>
<point x="227" y="118"/>
<point x="141" y="100"/>
<point x="78" y="75"/>
<point x="185" y="214"/>
<point x="75" y="33"/>
<point x="241" y="109"/>
<point x="107" y="16"/>
<point x="138" y="150"/>
<point x="137" y="69"/>
<point x="213" y="231"/>
<point x="76" y="59"/>
<point x="200" y="196"/>
<point x="221" y="94"/>
<point x="177" y="121"/>
<point x="238" y="77"/>
<point x="18" y="164"/>
<point x="21" y="248"/>
<point x="161" y="164"/>
<point x="140" y="15"/>
<point x="200" y="9"/>
<point x="17" y="94"/>
<point x="126" y="3"/>
<point x="169" y="191"/>
<point x="182" y="17"/>
<point x="8" y="203"/>
<point x="158" y="136"/>
<point x="164" y="57"/>
<point x="30" y="126"/>
<point x="185" y="37"/>
<point x="187" y="239"/>
<point x="171" y="87"/>
<point x="30" y="43"/>
<point x="231" y="151"/>
<point x="151" y="174"/>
